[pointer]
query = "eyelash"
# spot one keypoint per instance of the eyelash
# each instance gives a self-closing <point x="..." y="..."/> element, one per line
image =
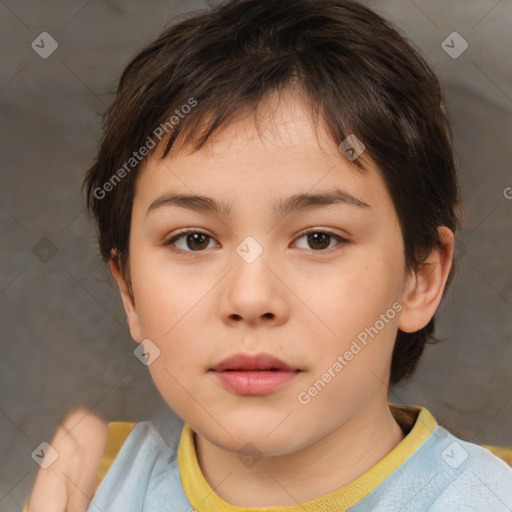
<point x="180" y="234"/>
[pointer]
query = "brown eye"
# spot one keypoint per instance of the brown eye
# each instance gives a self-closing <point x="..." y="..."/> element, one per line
<point x="190" y="241"/>
<point x="197" y="241"/>
<point x="319" y="240"/>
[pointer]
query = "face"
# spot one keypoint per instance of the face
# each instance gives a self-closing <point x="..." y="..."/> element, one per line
<point x="246" y="278"/>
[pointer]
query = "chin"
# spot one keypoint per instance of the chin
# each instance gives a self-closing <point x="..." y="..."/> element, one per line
<point x="257" y="439"/>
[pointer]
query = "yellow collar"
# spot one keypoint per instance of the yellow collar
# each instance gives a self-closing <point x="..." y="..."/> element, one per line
<point x="203" y="498"/>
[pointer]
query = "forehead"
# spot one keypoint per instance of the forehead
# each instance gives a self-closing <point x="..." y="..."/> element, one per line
<point x="277" y="150"/>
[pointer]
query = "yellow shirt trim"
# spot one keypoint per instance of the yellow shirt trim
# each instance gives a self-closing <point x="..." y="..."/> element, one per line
<point x="203" y="498"/>
<point x="503" y="452"/>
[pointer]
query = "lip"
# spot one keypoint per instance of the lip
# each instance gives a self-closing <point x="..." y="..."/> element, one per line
<point x="259" y="374"/>
<point x="262" y="361"/>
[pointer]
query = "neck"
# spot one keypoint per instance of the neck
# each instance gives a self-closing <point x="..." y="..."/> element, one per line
<point x="332" y="462"/>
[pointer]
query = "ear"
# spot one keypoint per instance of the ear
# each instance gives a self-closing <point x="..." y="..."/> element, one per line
<point x="424" y="288"/>
<point x="128" y="301"/>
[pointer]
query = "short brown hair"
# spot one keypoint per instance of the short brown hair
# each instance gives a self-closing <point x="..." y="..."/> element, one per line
<point x="355" y="70"/>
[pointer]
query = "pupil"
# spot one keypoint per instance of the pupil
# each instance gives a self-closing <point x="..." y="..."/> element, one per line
<point x="317" y="238"/>
<point x="196" y="238"/>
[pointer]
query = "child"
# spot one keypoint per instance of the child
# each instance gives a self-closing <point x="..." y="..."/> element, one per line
<point x="276" y="196"/>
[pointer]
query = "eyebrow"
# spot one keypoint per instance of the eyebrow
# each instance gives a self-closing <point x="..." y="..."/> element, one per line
<point x="295" y="203"/>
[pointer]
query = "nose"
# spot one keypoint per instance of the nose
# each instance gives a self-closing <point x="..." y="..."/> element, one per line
<point x="254" y="293"/>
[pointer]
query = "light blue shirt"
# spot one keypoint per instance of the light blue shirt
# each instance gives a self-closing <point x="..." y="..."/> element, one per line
<point x="445" y="474"/>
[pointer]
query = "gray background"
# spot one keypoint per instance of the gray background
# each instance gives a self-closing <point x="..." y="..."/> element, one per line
<point x="64" y="341"/>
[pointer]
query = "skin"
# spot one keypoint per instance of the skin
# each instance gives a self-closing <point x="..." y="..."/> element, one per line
<point x="68" y="484"/>
<point x="201" y="302"/>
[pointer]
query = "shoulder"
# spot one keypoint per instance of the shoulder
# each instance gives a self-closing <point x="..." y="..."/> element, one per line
<point x="134" y="452"/>
<point x="117" y="433"/>
<point x="136" y="444"/>
<point x="473" y="478"/>
<point x="443" y="473"/>
<point x="142" y="470"/>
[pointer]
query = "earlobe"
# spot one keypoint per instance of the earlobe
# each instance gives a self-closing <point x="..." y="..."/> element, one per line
<point x="425" y="287"/>
<point x="128" y="300"/>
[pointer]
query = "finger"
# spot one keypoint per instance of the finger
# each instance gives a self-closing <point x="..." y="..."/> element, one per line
<point x="68" y="484"/>
<point x="49" y="493"/>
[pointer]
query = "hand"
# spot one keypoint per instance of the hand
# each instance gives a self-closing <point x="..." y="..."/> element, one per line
<point x="68" y="484"/>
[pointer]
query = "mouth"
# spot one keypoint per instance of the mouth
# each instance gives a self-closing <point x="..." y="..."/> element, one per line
<point x="256" y="370"/>
<point x="262" y="374"/>
<point x="253" y="363"/>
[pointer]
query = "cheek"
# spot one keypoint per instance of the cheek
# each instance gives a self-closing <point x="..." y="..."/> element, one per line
<point x="173" y="379"/>
<point x="358" y="321"/>
<point x="182" y="341"/>
<point x="354" y="295"/>
<point x="164" y="295"/>
<point x="172" y="310"/>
